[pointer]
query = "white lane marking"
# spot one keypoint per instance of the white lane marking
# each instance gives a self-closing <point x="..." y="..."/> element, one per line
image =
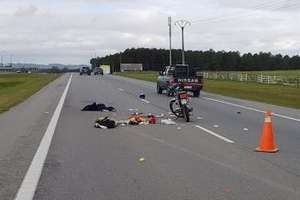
<point x="219" y="163"/>
<point x="215" y="134"/>
<point x="250" y="108"/>
<point x="245" y="129"/>
<point x="144" y="100"/>
<point x="216" y="126"/>
<point x="121" y="89"/>
<point x="33" y="174"/>
<point x="133" y="109"/>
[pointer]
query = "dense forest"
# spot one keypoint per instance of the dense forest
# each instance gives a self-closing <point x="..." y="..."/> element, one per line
<point x="155" y="59"/>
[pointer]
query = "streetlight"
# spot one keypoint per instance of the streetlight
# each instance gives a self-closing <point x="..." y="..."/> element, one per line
<point x="182" y="24"/>
<point x="170" y="40"/>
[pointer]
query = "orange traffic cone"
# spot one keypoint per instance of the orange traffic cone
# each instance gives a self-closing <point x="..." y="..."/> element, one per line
<point x="267" y="143"/>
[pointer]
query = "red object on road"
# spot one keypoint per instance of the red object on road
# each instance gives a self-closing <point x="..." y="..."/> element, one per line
<point x="151" y="119"/>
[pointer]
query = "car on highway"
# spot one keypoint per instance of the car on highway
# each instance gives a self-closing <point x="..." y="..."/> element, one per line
<point x="98" y="71"/>
<point x="85" y="70"/>
<point x="179" y="74"/>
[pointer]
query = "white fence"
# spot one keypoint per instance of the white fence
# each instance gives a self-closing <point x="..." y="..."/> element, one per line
<point x="253" y="77"/>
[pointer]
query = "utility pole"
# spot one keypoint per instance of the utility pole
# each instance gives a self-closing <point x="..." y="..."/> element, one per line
<point x="170" y="40"/>
<point x="1" y="60"/>
<point x="120" y="60"/>
<point x="11" y="60"/>
<point x="182" y="24"/>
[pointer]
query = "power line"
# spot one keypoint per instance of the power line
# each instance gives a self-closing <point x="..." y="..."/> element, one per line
<point x="271" y="5"/>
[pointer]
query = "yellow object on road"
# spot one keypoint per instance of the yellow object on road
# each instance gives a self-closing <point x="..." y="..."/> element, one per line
<point x="141" y="159"/>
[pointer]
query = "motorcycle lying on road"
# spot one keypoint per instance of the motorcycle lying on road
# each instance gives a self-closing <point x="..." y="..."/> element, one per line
<point x="180" y="104"/>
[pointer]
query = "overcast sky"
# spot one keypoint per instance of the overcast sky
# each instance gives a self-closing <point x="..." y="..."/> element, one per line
<point x="71" y="31"/>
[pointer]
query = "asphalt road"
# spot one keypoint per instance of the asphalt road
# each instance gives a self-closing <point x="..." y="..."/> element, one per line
<point x="181" y="161"/>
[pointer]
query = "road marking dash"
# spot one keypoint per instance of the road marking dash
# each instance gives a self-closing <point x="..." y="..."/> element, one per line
<point x="121" y="89"/>
<point x="215" y="134"/>
<point x="219" y="163"/>
<point x="33" y="174"/>
<point x="250" y="108"/>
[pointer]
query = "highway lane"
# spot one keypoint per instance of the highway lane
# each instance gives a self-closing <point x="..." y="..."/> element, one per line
<point x="231" y="124"/>
<point x="21" y="129"/>
<point x="181" y="162"/>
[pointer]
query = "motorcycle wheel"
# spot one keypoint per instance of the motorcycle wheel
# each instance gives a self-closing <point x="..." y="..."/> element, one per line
<point x="175" y="112"/>
<point x="186" y="113"/>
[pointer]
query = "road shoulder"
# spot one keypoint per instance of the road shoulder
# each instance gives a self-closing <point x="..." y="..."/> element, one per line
<point x="22" y="128"/>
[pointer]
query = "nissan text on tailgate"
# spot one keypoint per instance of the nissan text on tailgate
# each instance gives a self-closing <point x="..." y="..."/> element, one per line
<point x="179" y="74"/>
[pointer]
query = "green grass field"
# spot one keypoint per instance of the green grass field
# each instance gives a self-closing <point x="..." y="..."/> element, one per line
<point x="14" y="88"/>
<point x="272" y="94"/>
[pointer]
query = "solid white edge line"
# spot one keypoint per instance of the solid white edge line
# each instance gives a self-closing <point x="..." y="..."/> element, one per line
<point x="215" y="134"/>
<point x="33" y="174"/>
<point x="250" y="108"/>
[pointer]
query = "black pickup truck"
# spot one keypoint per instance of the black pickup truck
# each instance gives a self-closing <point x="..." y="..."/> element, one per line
<point x="179" y="74"/>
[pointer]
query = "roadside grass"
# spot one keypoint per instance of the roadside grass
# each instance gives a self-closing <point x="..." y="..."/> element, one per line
<point x="145" y="75"/>
<point x="271" y="94"/>
<point x="15" y="88"/>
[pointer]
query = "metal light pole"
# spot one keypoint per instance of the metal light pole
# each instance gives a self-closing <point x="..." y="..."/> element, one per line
<point x="182" y="24"/>
<point x="11" y="57"/>
<point x="170" y="40"/>
<point x="120" y="58"/>
<point x="1" y="61"/>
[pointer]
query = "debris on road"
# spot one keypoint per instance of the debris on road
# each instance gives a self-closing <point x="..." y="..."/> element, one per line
<point x="151" y="119"/>
<point x="238" y="112"/>
<point x="167" y="122"/>
<point x="141" y="159"/>
<point x="145" y="101"/>
<point x="122" y="122"/>
<point x="227" y="190"/>
<point x="136" y="119"/>
<point x="100" y="126"/>
<point x="98" y="107"/>
<point x="199" y="118"/>
<point x="105" y="121"/>
<point x="179" y="128"/>
<point x="216" y="126"/>
<point x="160" y="116"/>
<point x="245" y="129"/>
<point x="139" y="119"/>
<point x="142" y="96"/>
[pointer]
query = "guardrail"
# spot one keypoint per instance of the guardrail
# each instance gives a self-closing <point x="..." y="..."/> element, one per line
<point x="252" y="77"/>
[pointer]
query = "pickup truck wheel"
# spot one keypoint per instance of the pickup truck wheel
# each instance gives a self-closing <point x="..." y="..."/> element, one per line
<point x="196" y="93"/>
<point x="158" y="89"/>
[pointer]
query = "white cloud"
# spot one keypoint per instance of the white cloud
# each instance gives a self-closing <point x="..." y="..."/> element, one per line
<point x="71" y="31"/>
<point x="26" y="11"/>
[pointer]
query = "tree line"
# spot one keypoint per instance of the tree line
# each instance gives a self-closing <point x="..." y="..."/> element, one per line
<point x="156" y="59"/>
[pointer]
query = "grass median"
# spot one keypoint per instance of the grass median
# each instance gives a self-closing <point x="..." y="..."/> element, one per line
<point x="15" y="88"/>
<point x="272" y="94"/>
